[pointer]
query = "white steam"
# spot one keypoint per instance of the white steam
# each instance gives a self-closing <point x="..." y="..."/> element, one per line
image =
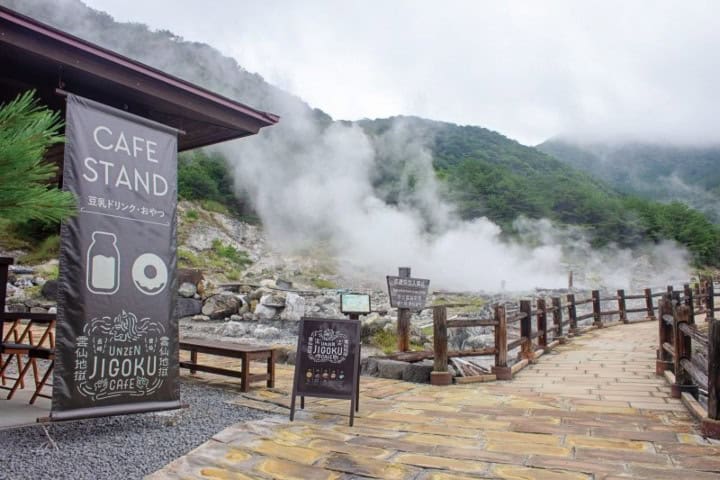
<point x="312" y="184"/>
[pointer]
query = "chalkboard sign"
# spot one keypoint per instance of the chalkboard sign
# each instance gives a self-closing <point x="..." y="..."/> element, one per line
<point x="327" y="361"/>
<point x="406" y="292"/>
<point x="355" y="303"/>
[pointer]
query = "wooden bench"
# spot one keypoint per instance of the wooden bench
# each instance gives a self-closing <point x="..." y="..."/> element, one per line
<point x="246" y="353"/>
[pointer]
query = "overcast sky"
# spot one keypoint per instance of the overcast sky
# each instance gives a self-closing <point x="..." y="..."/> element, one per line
<point x="638" y="70"/>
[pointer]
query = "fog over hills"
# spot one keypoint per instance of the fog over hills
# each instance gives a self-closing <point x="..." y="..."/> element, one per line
<point x="463" y="205"/>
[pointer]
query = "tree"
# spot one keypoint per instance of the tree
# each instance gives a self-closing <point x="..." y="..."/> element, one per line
<point x="27" y="130"/>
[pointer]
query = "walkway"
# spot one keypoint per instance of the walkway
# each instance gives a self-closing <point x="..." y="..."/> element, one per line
<point x="592" y="409"/>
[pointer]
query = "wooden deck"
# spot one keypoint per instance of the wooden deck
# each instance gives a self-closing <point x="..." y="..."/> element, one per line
<point x="591" y="409"/>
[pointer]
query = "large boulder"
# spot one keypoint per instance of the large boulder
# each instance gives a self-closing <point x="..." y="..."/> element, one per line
<point x="294" y="307"/>
<point x="49" y="289"/>
<point x="372" y="324"/>
<point x="187" y="307"/>
<point x="273" y="300"/>
<point x="418" y="372"/>
<point x="187" y="290"/>
<point x="221" y="305"/>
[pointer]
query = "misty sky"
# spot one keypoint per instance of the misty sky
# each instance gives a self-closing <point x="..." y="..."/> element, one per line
<point x="639" y="70"/>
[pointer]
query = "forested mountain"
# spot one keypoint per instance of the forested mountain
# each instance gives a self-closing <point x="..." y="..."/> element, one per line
<point x="480" y="172"/>
<point x="659" y="172"/>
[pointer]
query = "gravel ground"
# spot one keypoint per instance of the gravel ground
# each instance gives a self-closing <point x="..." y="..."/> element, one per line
<point x="127" y="447"/>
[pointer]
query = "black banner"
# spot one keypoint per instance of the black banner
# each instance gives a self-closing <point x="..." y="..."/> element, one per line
<point x="117" y="340"/>
<point x="327" y="361"/>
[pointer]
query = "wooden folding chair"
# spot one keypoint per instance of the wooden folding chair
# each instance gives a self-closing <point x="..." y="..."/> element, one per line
<point x="20" y="344"/>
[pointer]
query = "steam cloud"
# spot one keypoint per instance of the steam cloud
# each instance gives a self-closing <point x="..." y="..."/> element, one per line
<point x="312" y="183"/>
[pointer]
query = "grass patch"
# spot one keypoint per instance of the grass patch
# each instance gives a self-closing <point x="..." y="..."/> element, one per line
<point x="192" y="215"/>
<point x="46" y="250"/>
<point x="51" y="272"/>
<point x="213" y="206"/>
<point x="473" y="303"/>
<point x="323" y="283"/>
<point x="230" y="253"/>
<point x="387" y="341"/>
<point x="188" y="259"/>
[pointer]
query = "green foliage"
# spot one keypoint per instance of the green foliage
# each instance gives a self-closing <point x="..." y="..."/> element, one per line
<point x="213" y="206"/>
<point x="323" y="283"/>
<point x="27" y="129"/>
<point x="206" y="176"/>
<point x="46" y="250"/>
<point x="387" y="341"/>
<point x="192" y="215"/>
<point x="228" y="252"/>
<point x="188" y="259"/>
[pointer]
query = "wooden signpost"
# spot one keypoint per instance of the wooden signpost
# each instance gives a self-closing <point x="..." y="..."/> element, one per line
<point x="328" y="362"/>
<point x="406" y="294"/>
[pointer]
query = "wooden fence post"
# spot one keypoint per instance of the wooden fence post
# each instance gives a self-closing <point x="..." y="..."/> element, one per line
<point x="5" y="263"/>
<point x="711" y="426"/>
<point x="501" y="369"/>
<point x="664" y="360"/>
<point x="709" y="299"/>
<point x="682" y="345"/>
<point x="688" y="292"/>
<point x="440" y="374"/>
<point x="403" y="320"/>
<point x="649" y="304"/>
<point x="621" y="306"/>
<point x="526" y="351"/>
<point x="572" y="313"/>
<point x="597" y="318"/>
<point x="697" y="295"/>
<point x="558" y="319"/>
<point x="542" y="323"/>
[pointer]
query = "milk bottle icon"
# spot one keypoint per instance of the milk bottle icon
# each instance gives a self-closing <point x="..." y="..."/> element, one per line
<point x="103" y="264"/>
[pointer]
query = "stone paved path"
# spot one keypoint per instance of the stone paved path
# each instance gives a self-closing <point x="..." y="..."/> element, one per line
<point x="592" y="409"/>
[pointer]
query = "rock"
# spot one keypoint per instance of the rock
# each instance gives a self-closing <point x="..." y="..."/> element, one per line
<point x="236" y="318"/>
<point x="372" y="324"/>
<point x="38" y="310"/>
<point x="477" y="342"/>
<point x="187" y="307"/>
<point x="369" y="365"/>
<point x="268" y="283"/>
<point x="39" y="281"/>
<point x="291" y="357"/>
<point x="265" y="332"/>
<point x="49" y="290"/>
<point x="11" y="289"/>
<point x="259" y="293"/>
<point x="391" y="368"/>
<point x="263" y="312"/>
<point x="273" y="300"/>
<point x="417" y="372"/>
<point x="52" y="310"/>
<point x="200" y="318"/>
<point x="248" y="317"/>
<point x="221" y="305"/>
<point x="187" y="290"/>
<point x="16" y="308"/>
<point x="244" y="309"/>
<point x="20" y="270"/>
<point x="294" y="307"/>
<point x="284" y="284"/>
<point x="233" y="329"/>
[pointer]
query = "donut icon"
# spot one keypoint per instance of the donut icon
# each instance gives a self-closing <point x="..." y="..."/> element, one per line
<point x="149" y="274"/>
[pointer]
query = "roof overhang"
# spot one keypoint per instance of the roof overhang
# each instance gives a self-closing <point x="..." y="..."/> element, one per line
<point x="36" y="56"/>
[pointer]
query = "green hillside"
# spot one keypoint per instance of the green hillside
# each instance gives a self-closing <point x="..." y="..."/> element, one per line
<point x="659" y="172"/>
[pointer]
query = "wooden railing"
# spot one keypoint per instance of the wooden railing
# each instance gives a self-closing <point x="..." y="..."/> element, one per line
<point x="689" y="355"/>
<point x="554" y="318"/>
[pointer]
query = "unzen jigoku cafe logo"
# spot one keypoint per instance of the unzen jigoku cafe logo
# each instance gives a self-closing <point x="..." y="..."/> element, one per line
<point x="121" y="355"/>
<point x="328" y="345"/>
